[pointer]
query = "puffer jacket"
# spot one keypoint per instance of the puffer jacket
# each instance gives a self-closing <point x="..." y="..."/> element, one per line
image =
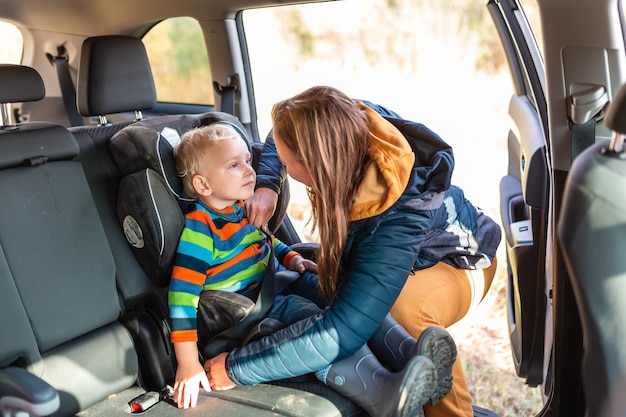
<point x="404" y="196"/>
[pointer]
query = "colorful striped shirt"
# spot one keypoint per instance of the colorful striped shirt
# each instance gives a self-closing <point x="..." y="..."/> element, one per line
<point x="218" y="250"/>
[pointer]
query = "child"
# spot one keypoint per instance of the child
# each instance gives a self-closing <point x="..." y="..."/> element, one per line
<point x="220" y="250"/>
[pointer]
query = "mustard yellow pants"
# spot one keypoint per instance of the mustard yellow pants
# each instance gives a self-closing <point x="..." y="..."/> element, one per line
<point x="440" y="296"/>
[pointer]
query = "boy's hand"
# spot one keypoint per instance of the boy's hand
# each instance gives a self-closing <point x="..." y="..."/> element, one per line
<point x="300" y="264"/>
<point x="189" y="376"/>
<point x="187" y="385"/>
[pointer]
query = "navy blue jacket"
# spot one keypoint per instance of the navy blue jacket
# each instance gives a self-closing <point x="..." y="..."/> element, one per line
<point x="381" y="252"/>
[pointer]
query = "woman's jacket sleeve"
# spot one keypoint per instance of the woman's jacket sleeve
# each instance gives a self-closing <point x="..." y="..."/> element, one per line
<point x="270" y="172"/>
<point x="377" y="264"/>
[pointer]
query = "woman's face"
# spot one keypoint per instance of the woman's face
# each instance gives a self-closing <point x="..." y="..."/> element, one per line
<point x="295" y="168"/>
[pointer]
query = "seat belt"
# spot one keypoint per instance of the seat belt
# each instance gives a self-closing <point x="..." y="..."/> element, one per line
<point x="235" y="335"/>
<point x="586" y="107"/>
<point x="583" y="136"/>
<point x="68" y="92"/>
<point x="227" y="93"/>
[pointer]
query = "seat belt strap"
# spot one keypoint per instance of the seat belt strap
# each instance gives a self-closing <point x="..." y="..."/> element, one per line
<point x="227" y="94"/>
<point x="68" y="92"/>
<point x="583" y="136"/>
<point x="270" y="287"/>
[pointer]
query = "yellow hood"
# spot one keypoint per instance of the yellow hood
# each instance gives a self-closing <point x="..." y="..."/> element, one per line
<point x="388" y="171"/>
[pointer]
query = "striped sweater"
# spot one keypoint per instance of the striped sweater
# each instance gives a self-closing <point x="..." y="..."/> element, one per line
<point x="218" y="250"/>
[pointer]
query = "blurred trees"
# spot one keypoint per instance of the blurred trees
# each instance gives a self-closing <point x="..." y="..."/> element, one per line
<point x="179" y="62"/>
<point x="466" y="20"/>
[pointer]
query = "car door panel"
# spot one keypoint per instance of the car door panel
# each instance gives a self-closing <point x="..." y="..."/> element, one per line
<point x="524" y="217"/>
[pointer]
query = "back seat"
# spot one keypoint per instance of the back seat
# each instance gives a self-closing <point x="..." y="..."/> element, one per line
<point x="66" y="317"/>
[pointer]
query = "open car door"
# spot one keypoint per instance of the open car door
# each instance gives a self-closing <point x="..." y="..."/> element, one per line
<point x="558" y="116"/>
<point x="524" y="194"/>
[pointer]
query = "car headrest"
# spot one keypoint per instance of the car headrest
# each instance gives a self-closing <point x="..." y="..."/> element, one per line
<point x="114" y="76"/>
<point x="19" y="84"/>
<point x="36" y="143"/>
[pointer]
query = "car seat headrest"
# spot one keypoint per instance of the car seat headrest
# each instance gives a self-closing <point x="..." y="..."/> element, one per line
<point x="19" y="84"/>
<point x="114" y="76"/>
<point x="151" y="201"/>
<point x="136" y="148"/>
<point x="222" y="117"/>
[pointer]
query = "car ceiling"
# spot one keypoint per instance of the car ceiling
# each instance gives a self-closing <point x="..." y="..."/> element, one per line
<point x="94" y="17"/>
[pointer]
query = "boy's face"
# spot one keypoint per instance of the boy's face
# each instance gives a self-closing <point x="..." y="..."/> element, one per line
<point x="227" y="174"/>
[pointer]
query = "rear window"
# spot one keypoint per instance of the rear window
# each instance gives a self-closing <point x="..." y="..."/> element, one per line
<point x="12" y="44"/>
<point x="179" y="60"/>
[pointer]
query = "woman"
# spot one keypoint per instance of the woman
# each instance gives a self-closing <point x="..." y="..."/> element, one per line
<point x="393" y="233"/>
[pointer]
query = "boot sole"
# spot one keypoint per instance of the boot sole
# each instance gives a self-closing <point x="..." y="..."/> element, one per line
<point x="436" y="344"/>
<point x="418" y="385"/>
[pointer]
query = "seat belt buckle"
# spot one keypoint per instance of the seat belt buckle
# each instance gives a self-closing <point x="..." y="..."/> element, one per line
<point x="144" y="401"/>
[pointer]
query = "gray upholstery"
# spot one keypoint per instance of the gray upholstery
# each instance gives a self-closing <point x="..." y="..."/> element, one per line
<point x="57" y="274"/>
<point x="18" y="344"/>
<point x="34" y="141"/>
<point x="114" y="76"/>
<point x="51" y="214"/>
<point x="592" y="228"/>
<point x="19" y="83"/>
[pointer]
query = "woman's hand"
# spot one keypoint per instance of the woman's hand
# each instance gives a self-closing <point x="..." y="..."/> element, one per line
<point x="216" y="371"/>
<point x="261" y="206"/>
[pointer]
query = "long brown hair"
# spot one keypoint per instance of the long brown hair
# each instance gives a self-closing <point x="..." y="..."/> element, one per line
<point x="328" y="132"/>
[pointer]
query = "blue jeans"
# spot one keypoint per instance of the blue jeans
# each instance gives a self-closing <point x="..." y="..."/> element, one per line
<point x="306" y="286"/>
<point x="291" y="308"/>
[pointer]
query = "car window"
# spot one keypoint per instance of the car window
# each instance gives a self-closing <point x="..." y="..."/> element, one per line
<point x="179" y="62"/>
<point x="431" y="63"/>
<point x="12" y="44"/>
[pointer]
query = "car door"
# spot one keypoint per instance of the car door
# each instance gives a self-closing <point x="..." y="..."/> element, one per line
<point x="524" y="193"/>
<point x="557" y="112"/>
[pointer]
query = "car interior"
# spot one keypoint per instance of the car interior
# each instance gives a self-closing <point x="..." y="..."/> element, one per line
<point x="84" y="273"/>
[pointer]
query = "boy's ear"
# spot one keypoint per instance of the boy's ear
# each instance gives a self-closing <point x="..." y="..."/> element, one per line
<point x="201" y="185"/>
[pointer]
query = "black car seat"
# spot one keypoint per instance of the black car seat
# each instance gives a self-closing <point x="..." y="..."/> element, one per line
<point x="592" y="231"/>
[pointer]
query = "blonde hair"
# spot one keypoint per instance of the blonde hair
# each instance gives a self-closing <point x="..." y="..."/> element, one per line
<point x="328" y="132"/>
<point x="193" y="149"/>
